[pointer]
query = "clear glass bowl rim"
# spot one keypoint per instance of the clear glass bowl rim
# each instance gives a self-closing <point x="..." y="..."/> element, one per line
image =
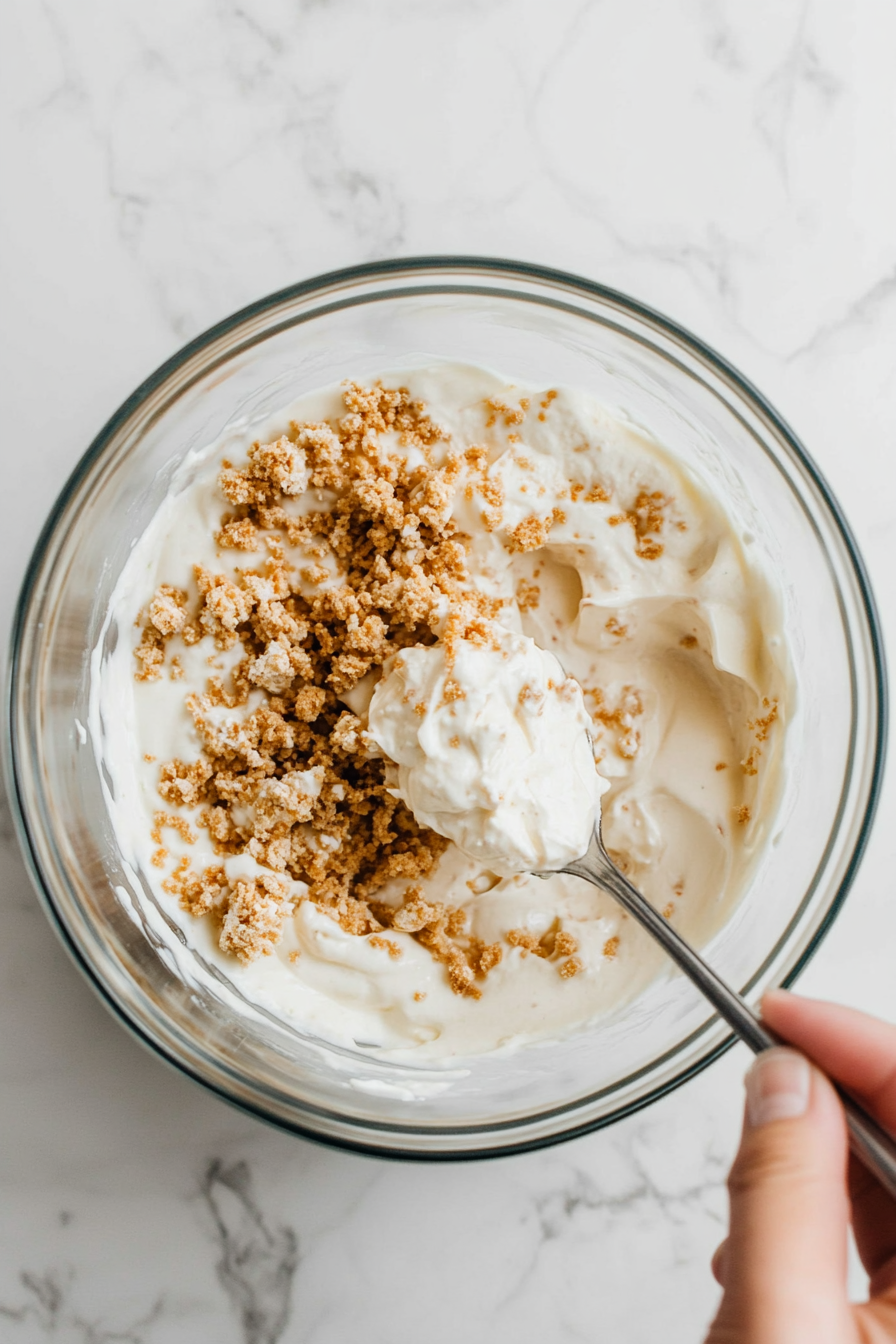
<point x="386" y="270"/>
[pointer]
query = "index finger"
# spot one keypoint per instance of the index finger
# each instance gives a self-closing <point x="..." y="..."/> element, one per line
<point x="860" y="1052"/>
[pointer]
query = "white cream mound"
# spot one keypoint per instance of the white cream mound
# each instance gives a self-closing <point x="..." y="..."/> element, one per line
<point x="492" y="750"/>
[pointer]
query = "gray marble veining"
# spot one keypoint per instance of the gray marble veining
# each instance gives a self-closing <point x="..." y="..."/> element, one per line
<point x="257" y="1262"/>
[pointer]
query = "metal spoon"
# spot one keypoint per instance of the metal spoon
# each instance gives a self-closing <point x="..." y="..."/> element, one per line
<point x="875" y="1148"/>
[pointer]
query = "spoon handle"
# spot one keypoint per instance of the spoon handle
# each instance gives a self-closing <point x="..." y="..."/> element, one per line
<point x="872" y="1144"/>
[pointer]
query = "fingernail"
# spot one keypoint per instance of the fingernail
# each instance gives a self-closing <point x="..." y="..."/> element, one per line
<point x="777" y="1087"/>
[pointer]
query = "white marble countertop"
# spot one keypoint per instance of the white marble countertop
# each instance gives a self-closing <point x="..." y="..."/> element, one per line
<point x="729" y="164"/>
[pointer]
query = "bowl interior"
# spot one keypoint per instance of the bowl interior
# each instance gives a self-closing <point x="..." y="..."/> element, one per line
<point x="537" y="328"/>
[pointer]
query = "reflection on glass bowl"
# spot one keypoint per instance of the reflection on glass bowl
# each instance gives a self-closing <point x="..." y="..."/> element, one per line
<point x="546" y="328"/>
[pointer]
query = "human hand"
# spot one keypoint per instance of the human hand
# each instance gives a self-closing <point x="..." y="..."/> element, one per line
<point x="793" y="1187"/>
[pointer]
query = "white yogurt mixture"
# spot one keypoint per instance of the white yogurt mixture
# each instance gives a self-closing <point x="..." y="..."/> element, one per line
<point x="632" y="634"/>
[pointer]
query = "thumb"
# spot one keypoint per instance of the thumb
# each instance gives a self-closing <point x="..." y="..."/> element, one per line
<point x="785" y="1258"/>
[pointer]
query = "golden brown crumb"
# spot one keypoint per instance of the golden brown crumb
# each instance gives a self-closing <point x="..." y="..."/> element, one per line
<point x="565" y="944"/>
<point x="527" y="941"/>
<point x="455" y="921"/>
<point x="555" y="945"/>
<point x="249" y="913"/>
<point x="238" y="534"/>
<point x="159" y="858"/>
<point x="531" y="698"/>
<point x="669" y="910"/>
<point x="150" y="654"/>
<point x="570" y="968"/>
<point x="488" y="956"/>
<point x="721" y="765"/>
<point x="611" y="946"/>
<point x="167" y="611"/>
<point x="476" y="457"/>
<point x="253" y="918"/>
<point x="452" y="691"/>
<point x="533" y="532"/>
<point x="688" y="641"/>
<point x="315" y="574"/>
<point x="621" y="718"/>
<point x="174" y="823"/>
<point x="147" y="756"/>
<point x="615" y="629"/>
<point x="742" y="814"/>
<point x="387" y="945"/>
<point x="492" y="492"/>
<point x="528" y="595"/>
<point x="760" y="728"/>
<point x="184" y="785"/>
<point x="511" y="415"/>
<point x="646" y="516"/>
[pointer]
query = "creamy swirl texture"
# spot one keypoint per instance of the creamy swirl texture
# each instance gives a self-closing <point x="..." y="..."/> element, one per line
<point x="439" y="617"/>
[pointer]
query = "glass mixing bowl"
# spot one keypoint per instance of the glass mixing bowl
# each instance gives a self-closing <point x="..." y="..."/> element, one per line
<point x="539" y="326"/>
